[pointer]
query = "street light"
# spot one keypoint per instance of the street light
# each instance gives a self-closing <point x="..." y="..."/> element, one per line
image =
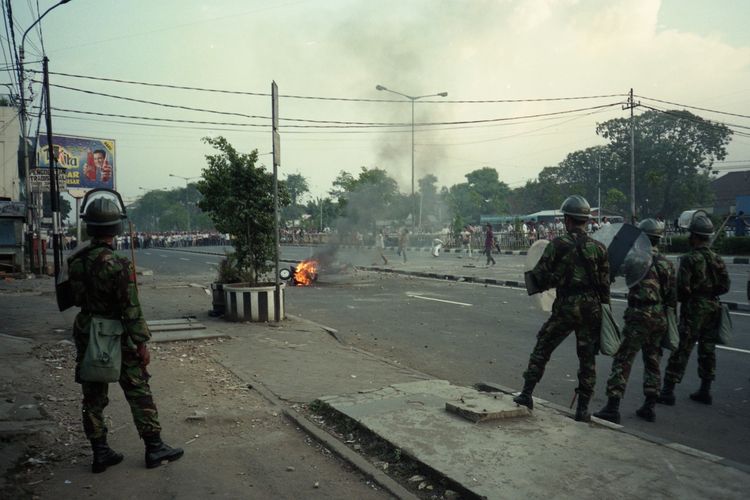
<point x="54" y="194"/>
<point x="412" y="99"/>
<point x="187" y="185"/>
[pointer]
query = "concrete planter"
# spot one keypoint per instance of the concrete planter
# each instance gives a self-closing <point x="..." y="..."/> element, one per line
<point x="218" y="302"/>
<point x="253" y="303"/>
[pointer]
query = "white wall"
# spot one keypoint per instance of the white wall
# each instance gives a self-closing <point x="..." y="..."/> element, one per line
<point x="9" y="133"/>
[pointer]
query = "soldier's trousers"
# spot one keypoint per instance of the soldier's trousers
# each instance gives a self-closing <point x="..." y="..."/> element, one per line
<point x="134" y="383"/>
<point x="644" y="330"/>
<point x="582" y="314"/>
<point x="698" y="322"/>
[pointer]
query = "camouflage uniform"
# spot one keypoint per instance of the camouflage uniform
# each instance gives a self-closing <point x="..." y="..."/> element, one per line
<point x="577" y="306"/>
<point x="701" y="279"/>
<point x="103" y="284"/>
<point x="645" y="326"/>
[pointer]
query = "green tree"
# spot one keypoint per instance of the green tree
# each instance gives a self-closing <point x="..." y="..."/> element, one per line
<point x="674" y="156"/>
<point x="297" y="186"/>
<point x="238" y="196"/>
<point x="482" y="194"/>
<point x="370" y="196"/>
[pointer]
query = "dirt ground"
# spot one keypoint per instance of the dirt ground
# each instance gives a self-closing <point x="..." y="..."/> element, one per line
<point x="237" y="444"/>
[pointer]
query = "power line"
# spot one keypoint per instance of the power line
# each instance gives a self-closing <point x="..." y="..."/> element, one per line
<point x="694" y="107"/>
<point x="322" y="98"/>
<point x="704" y="123"/>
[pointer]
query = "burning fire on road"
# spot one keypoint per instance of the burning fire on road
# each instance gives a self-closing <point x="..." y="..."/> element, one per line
<point x="305" y="273"/>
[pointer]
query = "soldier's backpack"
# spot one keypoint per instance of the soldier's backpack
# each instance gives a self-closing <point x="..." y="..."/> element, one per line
<point x="103" y="357"/>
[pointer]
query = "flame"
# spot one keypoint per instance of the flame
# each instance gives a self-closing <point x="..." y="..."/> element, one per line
<point x="306" y="272"/>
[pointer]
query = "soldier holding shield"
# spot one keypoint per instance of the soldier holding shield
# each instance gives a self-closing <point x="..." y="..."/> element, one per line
<point x="577" y="266"/>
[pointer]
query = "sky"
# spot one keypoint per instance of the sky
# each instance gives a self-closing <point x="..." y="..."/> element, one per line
<point x="692" y="52"/>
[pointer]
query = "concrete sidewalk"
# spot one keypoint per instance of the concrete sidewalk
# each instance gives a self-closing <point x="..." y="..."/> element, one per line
<point x="547" y="454"/>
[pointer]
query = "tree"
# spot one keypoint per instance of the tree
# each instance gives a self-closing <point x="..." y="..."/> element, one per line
<point x="238" y="196"/>
<point x="482" y="194"/>
<point x="370" y="196"/>
<point x="674" y="155"/>
<point x="297" y="186"/>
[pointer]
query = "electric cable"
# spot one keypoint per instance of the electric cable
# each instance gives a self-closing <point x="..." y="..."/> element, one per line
<point x="693" y="107"/>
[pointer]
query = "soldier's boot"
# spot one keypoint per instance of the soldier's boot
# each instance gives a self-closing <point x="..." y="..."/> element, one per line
<point x="611" y="411"/>
<point x="703" y="395"/>
<point x="104" y="456"/>
<point x="646" y="412"/>
<point x="157" y="451"/>
<point x="582" y="411"/>
<point x="524" y="398"/>
<point x="666" y="396"/>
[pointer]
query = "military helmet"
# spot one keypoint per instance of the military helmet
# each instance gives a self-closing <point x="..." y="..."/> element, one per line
<point x="652" y="227"/>
<point x="103" y="218"/>
<point x="701" y="224"/>
<point x="576" y="207"/>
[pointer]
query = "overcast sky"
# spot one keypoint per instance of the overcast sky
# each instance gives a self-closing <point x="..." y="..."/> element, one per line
<point x="695" y="52"/>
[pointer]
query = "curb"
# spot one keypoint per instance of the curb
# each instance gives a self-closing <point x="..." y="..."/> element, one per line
<point x="330" y="442"/>
<point x="687" y="450"/>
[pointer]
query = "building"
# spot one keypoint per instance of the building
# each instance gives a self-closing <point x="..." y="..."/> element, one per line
<point x="728" y="189"/>
<point x="11" y="209"/>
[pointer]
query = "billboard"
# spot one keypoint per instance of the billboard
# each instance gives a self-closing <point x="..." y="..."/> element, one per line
<point x="88" y="163"/>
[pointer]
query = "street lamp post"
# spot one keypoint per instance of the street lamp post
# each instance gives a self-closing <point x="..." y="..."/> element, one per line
<point x="187" y="187"/>
<point x="413" y="99"/>
<point x="54" y="201"/>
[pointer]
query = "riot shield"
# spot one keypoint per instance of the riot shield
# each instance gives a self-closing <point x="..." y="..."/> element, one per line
<point x="542" y="299"/>
<point x="687" y="216"/>
<point x="628" y="250"/>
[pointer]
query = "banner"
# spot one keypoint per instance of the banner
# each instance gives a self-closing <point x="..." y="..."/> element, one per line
<point x="88" y="163"/>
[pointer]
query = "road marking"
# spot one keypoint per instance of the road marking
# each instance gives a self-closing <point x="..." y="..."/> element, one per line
<point x="183" y="258"/>
<point x="211" y="263"/>
<point x="147" y="253"/>
<point x="738" y="314"/>
<point x="439" y="300"/>
<point x="163" y="256"/>
<point x="734" y="349"/>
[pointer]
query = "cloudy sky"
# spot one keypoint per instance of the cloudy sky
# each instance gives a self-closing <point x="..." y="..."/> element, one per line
<point x="694" y="52"/>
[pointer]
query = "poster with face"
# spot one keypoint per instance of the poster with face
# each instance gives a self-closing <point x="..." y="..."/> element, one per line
<point x="88" y="163"/>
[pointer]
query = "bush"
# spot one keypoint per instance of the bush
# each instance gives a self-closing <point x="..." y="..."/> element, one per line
<point x="733" y="245"/>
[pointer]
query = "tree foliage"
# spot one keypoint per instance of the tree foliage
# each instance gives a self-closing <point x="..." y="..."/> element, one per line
<point x="482" y="194"/>
<point x="238" y="196"/>
<point x="674" y="155"/>
<point x="370" y="196"/>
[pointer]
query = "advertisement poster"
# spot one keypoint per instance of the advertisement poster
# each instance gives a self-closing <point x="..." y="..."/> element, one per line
<point x="88" y="163"/>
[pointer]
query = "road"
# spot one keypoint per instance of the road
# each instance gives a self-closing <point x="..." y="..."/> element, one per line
<point x="468" y="333"/>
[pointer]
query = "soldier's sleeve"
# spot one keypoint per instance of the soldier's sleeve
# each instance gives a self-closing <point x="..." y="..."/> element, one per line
<point x="603" y="275"/>
<point x="544" y="273"/>
<point x="722" y="276"/>
<point x="132" y="316"/>
<point x="684" y="275"/>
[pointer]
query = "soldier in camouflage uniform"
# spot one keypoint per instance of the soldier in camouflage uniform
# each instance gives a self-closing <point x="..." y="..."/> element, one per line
<point x="103" y="285"/>
<point x="702" y="277"/>
<point x="577" y="267"/>
<point x="645" y="326"/>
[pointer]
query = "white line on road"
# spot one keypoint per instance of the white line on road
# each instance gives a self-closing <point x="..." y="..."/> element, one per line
<point x="147" y="253"/>
<point x="163" y="256"/>
<point x="735" y="349"/>
<point x="183" y="258"/>
<point x="439" y="300"/>
<point x="211" y="263"/>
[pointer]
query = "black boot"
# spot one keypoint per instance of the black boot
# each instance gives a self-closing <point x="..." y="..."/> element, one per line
<point x="582" y="411"/>
<point x="524" y="398"/>
<point x="666" y="397"/>
<point x="104" y="456"/>
<point x="646" y="412"/>
<point x="703" y="395"/>
<point x="157" y="451"/>
<point x="611" y="412"/>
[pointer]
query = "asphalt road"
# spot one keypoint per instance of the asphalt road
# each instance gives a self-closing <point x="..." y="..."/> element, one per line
<point x="468" y="333"/>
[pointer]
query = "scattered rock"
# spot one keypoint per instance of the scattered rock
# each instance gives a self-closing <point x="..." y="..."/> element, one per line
<point x="316" y="484"/>
<point x="197" y="416"/>
<point x="290" y="469"/>
<point x="450" y="494"/>
<point x="416" y="478"/>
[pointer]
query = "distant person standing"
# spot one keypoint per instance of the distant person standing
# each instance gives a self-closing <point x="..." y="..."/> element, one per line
<point x="577" y="267"/>
<point x="466" y="240"/>
<point x="403" y="242"/>
<point x="740" y="224"/>
<point x="380" y="247"/>
<point x="701" y="278"/>
<point x="489" y="244"/>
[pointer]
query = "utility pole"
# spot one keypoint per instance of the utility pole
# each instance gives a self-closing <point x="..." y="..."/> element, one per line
<point x="54" y="193"/>
<point x="599" y="188"/>
<point x="276" y="142"/>
<point x="632" y="104"/>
